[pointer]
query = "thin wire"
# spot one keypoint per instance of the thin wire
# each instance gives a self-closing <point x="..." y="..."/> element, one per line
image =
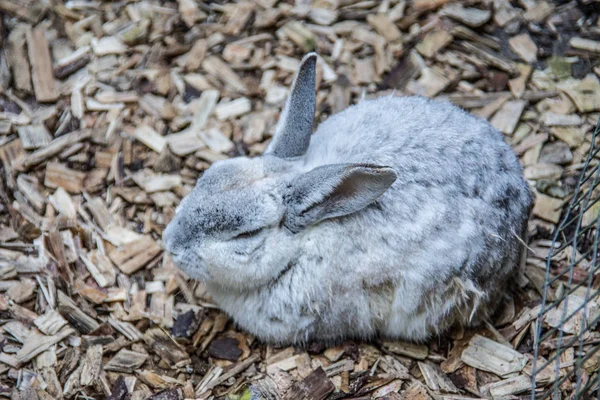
<point x="588" y="386"/>
<point x="563" y="246"/>
<point x="589" y="191"/>
<point x="573" y="289"/>
<point x="562" y="274"/>
<point x="587" y="298"/>
<point x="566" y="319"/>
<point x="568" y="345"/>
<point x="586" y="174"/>
<point x="577" y="366"/>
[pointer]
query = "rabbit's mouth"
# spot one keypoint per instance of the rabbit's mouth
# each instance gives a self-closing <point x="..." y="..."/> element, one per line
<point x="192" y="265"/>
<point x="184" y="259"/>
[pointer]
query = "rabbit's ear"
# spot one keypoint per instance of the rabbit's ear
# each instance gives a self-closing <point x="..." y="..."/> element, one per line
<point x="292" y="135"/>
<point x="333" y="191"/>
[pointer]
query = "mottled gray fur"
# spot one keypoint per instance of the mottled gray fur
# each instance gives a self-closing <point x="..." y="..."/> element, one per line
<point x="400" y="219"/>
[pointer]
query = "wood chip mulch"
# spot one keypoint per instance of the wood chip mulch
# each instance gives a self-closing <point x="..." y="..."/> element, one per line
<point x="109" y="112"/>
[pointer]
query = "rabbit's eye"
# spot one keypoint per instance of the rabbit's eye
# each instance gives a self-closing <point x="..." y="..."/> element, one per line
<point x="249" y="234"/>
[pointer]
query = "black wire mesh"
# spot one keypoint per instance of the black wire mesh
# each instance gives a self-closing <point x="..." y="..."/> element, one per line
<point x="567" y="342"/>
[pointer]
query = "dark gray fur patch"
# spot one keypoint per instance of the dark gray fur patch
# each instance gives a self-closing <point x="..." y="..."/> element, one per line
<point x="294" y="129"/>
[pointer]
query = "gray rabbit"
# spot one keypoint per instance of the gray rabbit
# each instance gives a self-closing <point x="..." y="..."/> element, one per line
<point x="399" y="218"/>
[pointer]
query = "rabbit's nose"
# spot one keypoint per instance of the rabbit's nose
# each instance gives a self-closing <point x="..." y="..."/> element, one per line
<point x="169" y="240"/>
<point x="177" y="238"/>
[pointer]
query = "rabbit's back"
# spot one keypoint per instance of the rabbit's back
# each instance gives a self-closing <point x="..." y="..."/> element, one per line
<point x="447" y="228"/>
<point x="435" y="148"/>
<point x="407" y="132"/>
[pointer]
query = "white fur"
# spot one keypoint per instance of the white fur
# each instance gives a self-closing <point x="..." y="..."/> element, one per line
<point x="435" y="249"/>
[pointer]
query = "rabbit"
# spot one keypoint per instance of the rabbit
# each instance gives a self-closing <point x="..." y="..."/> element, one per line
<point x="399" y="218"/>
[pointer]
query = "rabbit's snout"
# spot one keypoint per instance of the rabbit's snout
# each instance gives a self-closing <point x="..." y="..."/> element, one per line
<point x="168" y="239"/>
<point x="176" y="237"/>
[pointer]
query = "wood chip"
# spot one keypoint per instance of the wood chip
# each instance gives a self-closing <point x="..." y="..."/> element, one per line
<point x="239" y="17"/>
<point x="524" y="47"/>
<point x="41" y="65"/>
<point x="216" y="140"/>
<point x="510" y="386"/>
<point x="390" y="389"/>
<point x="17" y="58"/>
<point x="150" y="138"/>
<point x="101" y="268"/>
<point x="215" y="66"/>
<point x="316" y="386"/>
<point x="184" y="143"/>
<point x="584" y="94"/>
<point x="492" y="58"/>
<point x="135" y="255"/>
<point x="418" y="352"/>
<point x="507" y="118"/>
<point x="543" y="171"/>
<point x="126" y="328"/>
<point x="59" y="176"/>
<point x="29" y="188"/>
<point x="72" y="62"/>
<point x="166" y="347"/>
<point x="435" y="378"/>
<point x="192" y="60"/>
<point x="108" y="45"/>
<point x="432" y="82"/>
<point x="91" y="365"/>
<point x="126" y="361"/>
<point x="384" y="26"/>
<point x="190" y="12"/>
<point x="416" y="392"/>
<point x="573" y="305"/>
<point x="585" y="44"/>
<point x="487" y="355"/>
<point x="151" y="182"/>
<point x="553" y="119"/>
<point x="472" y="17"/>
<point x="55" y="147"/>
<point x="518" y="85"/>
<point x="36" y="344"/>
<point x="433" y="43"/>
<point x="50" y="322"/>
<point x="80" y="320"/>
<point x="233" y="109"/>
<point x="297" y="32"/>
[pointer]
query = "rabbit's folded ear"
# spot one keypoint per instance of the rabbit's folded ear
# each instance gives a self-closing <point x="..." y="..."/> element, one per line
<point x="333" y="191"/>
<point x="292" y="135"/>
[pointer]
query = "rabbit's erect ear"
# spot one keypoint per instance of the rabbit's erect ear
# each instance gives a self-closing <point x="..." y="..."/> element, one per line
<point x="333" y="191"/>
<point x="292" y="135"/>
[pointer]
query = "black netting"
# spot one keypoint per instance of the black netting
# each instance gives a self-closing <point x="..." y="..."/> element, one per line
<point x="567" y="341"/>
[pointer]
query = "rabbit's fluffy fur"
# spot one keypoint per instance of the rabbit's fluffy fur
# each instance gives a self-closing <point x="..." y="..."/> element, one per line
<point x="399" y="217"/>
